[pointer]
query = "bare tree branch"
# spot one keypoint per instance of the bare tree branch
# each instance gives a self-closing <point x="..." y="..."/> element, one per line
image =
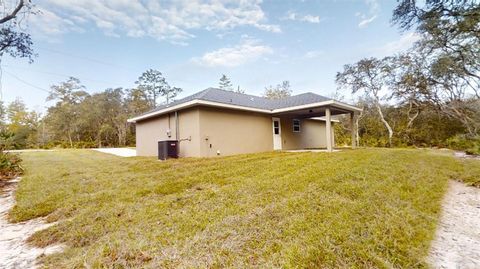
<point x="14" y="13"/>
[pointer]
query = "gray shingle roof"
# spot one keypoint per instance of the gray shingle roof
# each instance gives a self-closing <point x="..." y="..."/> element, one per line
<point x="247" y="100"/>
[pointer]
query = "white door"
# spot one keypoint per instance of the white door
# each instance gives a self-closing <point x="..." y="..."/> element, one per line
<point x="277" y="134"/>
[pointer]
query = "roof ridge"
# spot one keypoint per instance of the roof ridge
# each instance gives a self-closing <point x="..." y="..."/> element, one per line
<point x="234" y="92"/>
<point x="202" y="93"/>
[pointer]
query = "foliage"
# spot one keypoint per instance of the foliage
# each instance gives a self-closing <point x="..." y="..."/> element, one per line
<point x="279" y="91"/>
<point x="76" y="120"/>
<point x="428" y="95"/>
<point x="471" y="145"/>
<point x="225" y="83"/>
<point x="448" y="53"/>
<point x="15" y="44"/>
<point x="13" y="40"/>
<point x="153" y="84"/>
<point x="368" y="76"/>
<point x="303" y="210"/>
<point x="22" y="128"/>
<point x="431" y="128"/>
<point x="10" y="165"/>
<point x="81" y="120"/>
<point x="63" y="118"/>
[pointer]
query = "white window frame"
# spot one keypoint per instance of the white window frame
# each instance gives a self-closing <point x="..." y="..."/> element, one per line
<point x="293" y="125"/>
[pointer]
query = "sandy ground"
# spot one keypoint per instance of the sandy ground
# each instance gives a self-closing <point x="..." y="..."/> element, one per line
<point x="122" y="152"/>
<point x="463" y="155"/>
<point x="457" y="241"/>
<point x="28" y="150"/>
<point x="14" y="251"/>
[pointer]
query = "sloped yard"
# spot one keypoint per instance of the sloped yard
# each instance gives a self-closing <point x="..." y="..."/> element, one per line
<point x="363" y="208"/>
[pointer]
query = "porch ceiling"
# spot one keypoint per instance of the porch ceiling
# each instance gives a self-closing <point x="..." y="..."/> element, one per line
<point x="312" y="112"/>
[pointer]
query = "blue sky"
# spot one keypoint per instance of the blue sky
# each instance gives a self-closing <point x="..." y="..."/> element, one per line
<point x="109" y="43"/>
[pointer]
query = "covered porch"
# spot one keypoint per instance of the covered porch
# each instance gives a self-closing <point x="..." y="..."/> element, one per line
<point x="295" y="120"/>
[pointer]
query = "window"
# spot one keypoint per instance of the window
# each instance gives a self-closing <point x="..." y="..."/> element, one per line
<point x="296" y="126"/>
<point x="276" y="127"/>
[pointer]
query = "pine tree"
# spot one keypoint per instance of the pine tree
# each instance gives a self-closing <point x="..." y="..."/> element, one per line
<point x="225" y="83"/>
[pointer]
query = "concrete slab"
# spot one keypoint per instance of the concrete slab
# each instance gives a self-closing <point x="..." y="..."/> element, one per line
<point x="122" y="152"/>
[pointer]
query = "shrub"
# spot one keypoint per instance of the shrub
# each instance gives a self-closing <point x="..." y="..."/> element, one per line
<point x="471" y="145"/>
<point x="10" y="165"/>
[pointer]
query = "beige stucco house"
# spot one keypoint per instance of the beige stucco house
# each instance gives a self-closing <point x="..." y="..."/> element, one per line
<point x="215" y="122"/>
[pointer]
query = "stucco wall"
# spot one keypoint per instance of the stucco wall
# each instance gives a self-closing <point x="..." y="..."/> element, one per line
<point x="234" y="132"/>
<point x="205" y="130"/>
<point x="312" y="134"/>
<point x="150" y="131"/>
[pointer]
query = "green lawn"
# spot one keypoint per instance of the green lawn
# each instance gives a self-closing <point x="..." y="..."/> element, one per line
<point x="364" y="208"/>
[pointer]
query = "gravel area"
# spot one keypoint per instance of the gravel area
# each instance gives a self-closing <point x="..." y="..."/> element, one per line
<point x="14" y="251"/>
<point x="457" y="241"/>
<point x="122" y="152"/>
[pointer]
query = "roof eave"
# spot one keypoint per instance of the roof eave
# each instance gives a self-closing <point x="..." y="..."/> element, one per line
<point x="244" y="108"/>
<point x="318" y="104"/>
<point x="194" y="103"/>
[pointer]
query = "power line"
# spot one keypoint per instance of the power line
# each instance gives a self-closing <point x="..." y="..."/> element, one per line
<point x="26" y="82"/>
<point x="95" y="60"/>
<point x="58" y="74"/>
<point x="84" y="58"/>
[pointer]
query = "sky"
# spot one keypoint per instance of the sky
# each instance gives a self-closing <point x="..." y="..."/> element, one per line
<point x="109" y="43"/>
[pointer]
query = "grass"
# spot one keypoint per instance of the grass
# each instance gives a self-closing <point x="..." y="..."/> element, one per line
<point x="351" y="209"/>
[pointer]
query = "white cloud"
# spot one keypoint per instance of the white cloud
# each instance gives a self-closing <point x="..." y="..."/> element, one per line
<point x="373" y="10"/>
<point x="164" y="20"/>
<point x="247" y="51"/>
<point x="363" y="23"/>
<point x="313" y="54"/>
<point x="303" y="18"/>
<point x="404" y="43"/>
<point x="46" y="24"/>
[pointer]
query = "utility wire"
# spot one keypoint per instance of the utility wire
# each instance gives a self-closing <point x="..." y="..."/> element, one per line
<point x="95" y="60"/>
<point x="84" y="58"/>
<point x="26" y="82"/>
<point x="58" y="74"/>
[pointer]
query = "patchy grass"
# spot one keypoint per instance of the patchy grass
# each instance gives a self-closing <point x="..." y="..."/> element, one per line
<point x="471" y="172"/>
<point x="363" y="208"/>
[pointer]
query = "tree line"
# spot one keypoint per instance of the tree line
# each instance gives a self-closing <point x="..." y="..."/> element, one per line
<point x="78" y="119"/>
<point x="427" y="96"/>
<point x="430" y="95"/>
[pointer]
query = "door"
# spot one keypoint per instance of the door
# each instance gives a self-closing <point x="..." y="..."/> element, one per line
<point x="277" y="134"/>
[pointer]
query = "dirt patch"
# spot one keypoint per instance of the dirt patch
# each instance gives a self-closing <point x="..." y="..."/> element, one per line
<point x="457" y="241"/>
<point x="14" y="250"/>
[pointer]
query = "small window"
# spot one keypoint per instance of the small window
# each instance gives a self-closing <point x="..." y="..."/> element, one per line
<point x="296" y="126"/>
<point x="276" y="127"/>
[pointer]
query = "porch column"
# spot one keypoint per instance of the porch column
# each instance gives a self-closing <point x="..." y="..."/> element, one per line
<point x="328" y="129"/>
<point x="353" y="127"/>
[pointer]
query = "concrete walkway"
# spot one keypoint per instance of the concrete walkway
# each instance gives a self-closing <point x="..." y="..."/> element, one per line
<point x="122" y="152"/>
<point x="457" y="241"/>
<point x="14" y="250"/>
<point x="310" y="150"/>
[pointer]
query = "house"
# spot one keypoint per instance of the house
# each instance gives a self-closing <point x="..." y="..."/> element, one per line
<point x="216" y="122"/>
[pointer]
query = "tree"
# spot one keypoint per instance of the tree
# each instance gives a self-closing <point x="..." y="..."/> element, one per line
<point x="137" y="102"/>
<point x="104" y="116"/>
<point x="12" y="40"/>
<point x="279" y="91"/>
<point x="449" y="53"/>
<point x="240" y="90"/>
<point x="63" y="118"/>
<point x="153" y="84"/>
<point x="225" y="83"/>
<point x="369" y="76"/>
<point x="22" y="125"/>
